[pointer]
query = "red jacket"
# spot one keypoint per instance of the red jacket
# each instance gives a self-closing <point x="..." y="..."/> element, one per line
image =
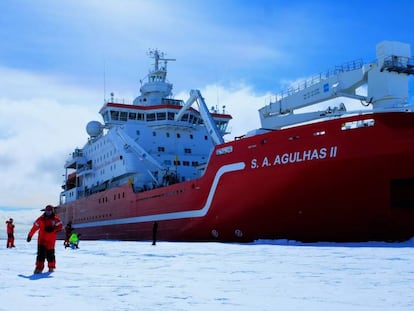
<point x="10" y="227"/>
<point x="47" y="226"/>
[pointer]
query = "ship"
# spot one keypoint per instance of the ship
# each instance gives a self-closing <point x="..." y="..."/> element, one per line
<point x="160" y="168"/>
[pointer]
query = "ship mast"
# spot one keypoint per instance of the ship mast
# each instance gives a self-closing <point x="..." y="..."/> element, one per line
<point x="158" y="74"/>
<point x="156" y="87"/>
<point x="157" y="55"/>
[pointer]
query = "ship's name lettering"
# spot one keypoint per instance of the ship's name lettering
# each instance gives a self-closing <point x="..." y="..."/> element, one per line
<point x="295" y="157"/>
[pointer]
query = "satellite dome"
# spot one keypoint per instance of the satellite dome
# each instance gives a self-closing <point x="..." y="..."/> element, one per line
<point x="94" y="128"/>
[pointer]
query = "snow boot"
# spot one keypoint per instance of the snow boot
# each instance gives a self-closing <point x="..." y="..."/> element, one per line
<point x="37" y="271"/>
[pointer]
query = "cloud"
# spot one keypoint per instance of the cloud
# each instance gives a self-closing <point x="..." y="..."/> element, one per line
<point x="44" y="118"/>
<point x="46" y="131"/>
<point x="85" y="38"/>
<point x="241" y="102"/>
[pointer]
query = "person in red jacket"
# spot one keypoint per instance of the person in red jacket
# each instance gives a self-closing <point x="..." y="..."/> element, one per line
<point x="10" y="233"/>
<point x="47" y="224"/>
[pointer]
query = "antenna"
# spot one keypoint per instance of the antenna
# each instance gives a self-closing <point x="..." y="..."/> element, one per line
<point x="158" y="55"/>
<point x="104" y="81"/>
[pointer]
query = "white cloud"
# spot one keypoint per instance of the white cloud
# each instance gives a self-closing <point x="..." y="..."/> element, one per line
<point x="44" y="133"/>
<point x="241" y="102"/>
<point x="41" y="120"/>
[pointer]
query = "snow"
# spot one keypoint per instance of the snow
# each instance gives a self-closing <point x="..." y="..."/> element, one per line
<point x="265" y="275"/>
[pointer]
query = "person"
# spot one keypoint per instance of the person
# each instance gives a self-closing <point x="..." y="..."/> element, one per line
<point x="68" y="232"/>
<point x="74" y="240"/>
<point x="154" y="233"/>
<point x="10" y="233"/>
<point x="47" y="224"/>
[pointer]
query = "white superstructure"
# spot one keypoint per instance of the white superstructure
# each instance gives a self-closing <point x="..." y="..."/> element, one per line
<point x="154" y="142"/>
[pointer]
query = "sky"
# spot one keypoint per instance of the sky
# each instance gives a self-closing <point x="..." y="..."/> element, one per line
<point x="261" y="276"/>
<point x="60" y="60"/>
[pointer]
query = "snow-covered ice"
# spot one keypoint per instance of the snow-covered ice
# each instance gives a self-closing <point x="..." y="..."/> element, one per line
<point x="265" y="275"/>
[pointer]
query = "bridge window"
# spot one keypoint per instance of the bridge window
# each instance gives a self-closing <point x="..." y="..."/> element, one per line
<point x="161" y="116"/>
<point x="114" y="115"/>
<point x="123" y="116"/>
<point x="151" y="117"/>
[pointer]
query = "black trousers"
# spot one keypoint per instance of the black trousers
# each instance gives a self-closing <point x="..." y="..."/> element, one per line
<point x="42" y="254"/>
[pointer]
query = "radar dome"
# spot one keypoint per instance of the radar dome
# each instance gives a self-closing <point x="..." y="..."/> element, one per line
<point x="94" y="128"/>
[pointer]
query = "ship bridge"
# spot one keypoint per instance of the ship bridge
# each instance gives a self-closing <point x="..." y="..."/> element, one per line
<point x="156" y="88"/>
<point x="163" y="114"/>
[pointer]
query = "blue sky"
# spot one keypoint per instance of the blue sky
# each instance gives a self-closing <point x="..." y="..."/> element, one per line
<point x="54" y="56"/>
<point x="261" y="43"/>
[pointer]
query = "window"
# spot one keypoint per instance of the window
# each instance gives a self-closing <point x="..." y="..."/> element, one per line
<point x="161" y="116"/>
<point x="357" y="124"/>
<point x="114" y="115"/>
<point x="123" y="116"/>
<point x="185" y="117"/>
<point x="106" y="116"/>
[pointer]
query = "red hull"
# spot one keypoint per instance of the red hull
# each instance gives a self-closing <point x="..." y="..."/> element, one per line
<point x="311" y="183"/>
